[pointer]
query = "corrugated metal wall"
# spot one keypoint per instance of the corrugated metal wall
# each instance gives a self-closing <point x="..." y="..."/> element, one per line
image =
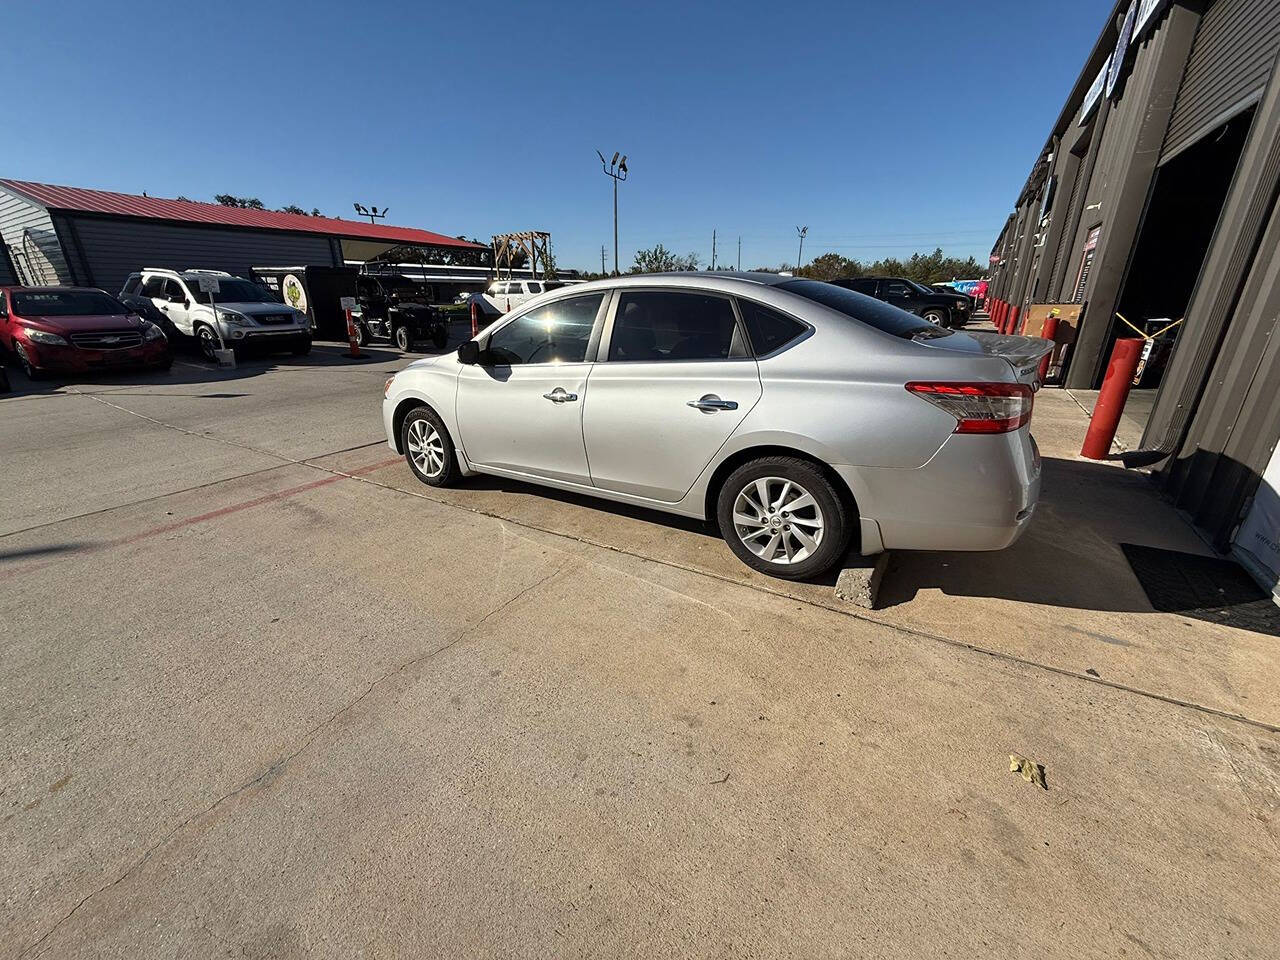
<point x="1227" y="71"/>
<point x="28" y="232"/>
<point x="114" y="247"/>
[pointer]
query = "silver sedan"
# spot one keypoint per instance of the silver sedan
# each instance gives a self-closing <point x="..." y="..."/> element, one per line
<point x="800" y="417"/>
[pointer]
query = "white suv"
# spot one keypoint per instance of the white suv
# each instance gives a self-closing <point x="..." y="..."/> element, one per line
<point x="246" y="313"/>
<point x="503" y="296"/>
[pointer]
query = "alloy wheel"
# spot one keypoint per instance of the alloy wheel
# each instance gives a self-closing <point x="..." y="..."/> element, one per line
<point x="778" y="520"/>
<point x="426" y="447"/>
<point x="207" y="344"/>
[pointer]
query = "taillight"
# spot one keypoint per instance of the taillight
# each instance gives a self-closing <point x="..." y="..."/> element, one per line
<point x="980" y="407"/>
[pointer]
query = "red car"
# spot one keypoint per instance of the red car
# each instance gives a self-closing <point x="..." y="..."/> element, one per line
<point x="76" y="330"/>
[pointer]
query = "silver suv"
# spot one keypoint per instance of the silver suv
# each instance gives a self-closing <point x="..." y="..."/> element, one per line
<point x="798" y="415"/>
<point x="246" y="313"/>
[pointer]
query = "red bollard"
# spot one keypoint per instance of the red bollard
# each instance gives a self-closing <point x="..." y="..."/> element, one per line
<point x="351" y="337"/>
<point x="1013" y="320"/>
<point x="995" y="312"/>
<point x="1115" y="391"/>
<point x="475" y="318"/>
<point x="1050" y="332"/>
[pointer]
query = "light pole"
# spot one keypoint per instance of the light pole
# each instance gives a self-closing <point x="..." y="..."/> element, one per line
<point x="802" y="232"/>
<point x="372" y="213"/>
<point x="617" y="169"/>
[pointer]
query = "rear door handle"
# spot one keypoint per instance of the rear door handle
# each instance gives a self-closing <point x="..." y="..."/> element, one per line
<point x="710" y="401"/>
<point x="560" y="395"/>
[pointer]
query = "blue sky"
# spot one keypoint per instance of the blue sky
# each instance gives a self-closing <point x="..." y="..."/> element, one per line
<point x="885" y="128"/>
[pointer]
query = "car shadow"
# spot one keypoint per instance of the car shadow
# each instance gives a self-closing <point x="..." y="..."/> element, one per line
<point x="190" y="367"/>
<point x="1070" y="555"/>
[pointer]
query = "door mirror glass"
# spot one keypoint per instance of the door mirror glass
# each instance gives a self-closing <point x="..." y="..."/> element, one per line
<point x="469" y="352"/>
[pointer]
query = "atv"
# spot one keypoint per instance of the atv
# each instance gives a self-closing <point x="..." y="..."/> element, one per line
<point x="394" y="308"/>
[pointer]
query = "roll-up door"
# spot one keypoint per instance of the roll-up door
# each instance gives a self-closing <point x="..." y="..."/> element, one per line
<point x="1066" y="212"/>
<point x="1227" y="71"/>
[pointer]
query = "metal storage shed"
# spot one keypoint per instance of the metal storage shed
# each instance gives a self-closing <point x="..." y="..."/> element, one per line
<point x="96" y="238"/>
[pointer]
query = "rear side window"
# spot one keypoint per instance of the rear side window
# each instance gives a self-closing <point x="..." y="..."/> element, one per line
<point x="154" y="287"/>
<point x="661" y="325"/>
<point x="872" y="312"/>
<point x="767" y="329"/>
<point x="534" y="287"/>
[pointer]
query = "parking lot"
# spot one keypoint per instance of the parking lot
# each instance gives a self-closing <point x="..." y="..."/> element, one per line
<point x="265" y="695"/>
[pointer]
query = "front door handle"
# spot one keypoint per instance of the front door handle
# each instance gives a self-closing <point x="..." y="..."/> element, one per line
<point x="560" y="395"/>
<point x="710" y="402"/>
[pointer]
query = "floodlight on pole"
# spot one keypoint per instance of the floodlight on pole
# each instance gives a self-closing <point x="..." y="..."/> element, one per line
<point x="802" y="232"/>
<point x="617" y="170"/>
<point x="372" y="213"/>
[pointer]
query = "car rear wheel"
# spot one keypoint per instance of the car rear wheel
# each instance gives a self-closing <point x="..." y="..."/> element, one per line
<point x="938" y="317"/>
<point x="428" y="448"/>
<point x="362" y="333"/>
<point x="783" y="517"/>
<point x="404" y="338"/>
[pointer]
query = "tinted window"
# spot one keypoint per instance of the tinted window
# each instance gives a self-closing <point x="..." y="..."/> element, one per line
<point x="154" y="287"/>
<point x="66" y="303"/>
<point x="896" y="288"/>
<point x="534" y="287"/>
<point x="660" y="325"/>
<point x="874" y="313"/>
<point x="556" y="333"/>
<point x="768" y="329"/>
<point x="133" y="283"/>
<point x="172" y="288"/>
<point x="862" y="285"/>
<point x="232" y="290"/>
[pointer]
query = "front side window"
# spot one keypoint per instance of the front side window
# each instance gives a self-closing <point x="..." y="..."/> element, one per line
<point x="556" y="333"/>
<point x="172" y="289"/>
<point x="896" y="288"/>
<point x="154" y="287"/>
<point x="131" y="285"/>
<point x="768" y="330"/>
<point x="665" y="325"/>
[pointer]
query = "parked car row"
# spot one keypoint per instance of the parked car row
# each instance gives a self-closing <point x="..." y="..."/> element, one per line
<point x="943" y="308"/>
<point x="799" y="416"/>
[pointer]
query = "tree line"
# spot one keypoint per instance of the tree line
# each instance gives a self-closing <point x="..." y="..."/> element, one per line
<point x="925" y="268"/>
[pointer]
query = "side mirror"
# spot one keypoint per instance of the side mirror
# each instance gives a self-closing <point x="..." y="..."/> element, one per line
<point x="469" y="352"/>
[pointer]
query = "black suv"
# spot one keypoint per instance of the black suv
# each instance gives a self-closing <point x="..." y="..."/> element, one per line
<point x="393" y="307"/>
<point x="944" y="309"/>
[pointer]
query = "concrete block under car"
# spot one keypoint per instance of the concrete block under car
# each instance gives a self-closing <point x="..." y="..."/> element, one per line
<point x="860" y="577"/>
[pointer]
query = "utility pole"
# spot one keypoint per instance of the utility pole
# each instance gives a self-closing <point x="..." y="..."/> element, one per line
<point x="618" y="171"/>
<point x="602" y="259"/>
<point x="739" y="253"/>
<point x="713" y="249"/>
<point x="802" y="231"/>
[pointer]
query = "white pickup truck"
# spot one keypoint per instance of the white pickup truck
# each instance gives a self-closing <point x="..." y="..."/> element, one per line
<point x="502" y="296"/>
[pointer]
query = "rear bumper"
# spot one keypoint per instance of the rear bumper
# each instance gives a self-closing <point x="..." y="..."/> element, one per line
<point x="975" y="493"/>
<point x="81" y="360"/>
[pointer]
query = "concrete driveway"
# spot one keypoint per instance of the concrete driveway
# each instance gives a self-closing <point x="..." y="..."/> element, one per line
<point x="263" y="695"/>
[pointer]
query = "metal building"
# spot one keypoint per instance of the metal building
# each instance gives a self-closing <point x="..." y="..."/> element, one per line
<point x="95" y="238"/>
<point x="1155" y="198"/>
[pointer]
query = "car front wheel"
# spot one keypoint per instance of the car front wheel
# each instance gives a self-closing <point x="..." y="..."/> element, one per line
<point x="404" y="338"/>
<point x="428" y="448"/>
<point x="783" y="517"/>
<point x="937" y="317"/>
<point x="208" y="341"/>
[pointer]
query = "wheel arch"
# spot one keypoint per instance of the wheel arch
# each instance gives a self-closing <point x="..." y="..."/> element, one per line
<point x="402" y="411"/>
<point x="747" y="454"/>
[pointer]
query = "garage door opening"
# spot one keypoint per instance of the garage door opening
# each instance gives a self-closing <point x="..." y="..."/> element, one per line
<point x="1186" y="202"/>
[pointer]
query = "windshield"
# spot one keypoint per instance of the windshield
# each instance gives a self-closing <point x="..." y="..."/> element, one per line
<point x="66" y="303"/>
<point x="868" y="310"/>
<point x="232" y="290"/>
<point x="922" y="288"/>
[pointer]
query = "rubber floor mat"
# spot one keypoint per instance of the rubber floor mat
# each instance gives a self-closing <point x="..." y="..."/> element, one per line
<point x="1204" y="588"/>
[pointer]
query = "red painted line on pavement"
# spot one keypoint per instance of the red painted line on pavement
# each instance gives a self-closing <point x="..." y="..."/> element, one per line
<point x="211" y="515"/>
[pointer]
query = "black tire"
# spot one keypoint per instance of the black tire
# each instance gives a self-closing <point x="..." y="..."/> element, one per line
<point x="31" y="371"/>
<point x="362" y="333"/>
<point x="830" y="510"/>
<point x="440" y="338"/>
<point x="404" y="338"/>
<point x="302" y="348"/>
<point x="448" y="473"/>
<point x="935" y="315"/>
<point x="207" y="340"/>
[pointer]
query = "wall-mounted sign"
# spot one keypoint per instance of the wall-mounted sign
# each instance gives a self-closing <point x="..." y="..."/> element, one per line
<point x="1122" y="48"/>
<point x="1094" y="93"/>
<point x="295" y="294"/>
<point x="1086" y="263"/>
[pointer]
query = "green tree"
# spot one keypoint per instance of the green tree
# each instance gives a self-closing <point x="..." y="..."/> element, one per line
<point x="244" y="203"/>
<point x="659" y="259"/>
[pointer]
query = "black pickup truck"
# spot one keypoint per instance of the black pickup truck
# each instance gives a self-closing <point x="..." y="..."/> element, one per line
<point x="944" y="309"/>
<point x="393" y="307"/>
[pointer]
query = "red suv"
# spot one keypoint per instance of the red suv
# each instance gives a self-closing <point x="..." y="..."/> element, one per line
<point x="76" y="330"/>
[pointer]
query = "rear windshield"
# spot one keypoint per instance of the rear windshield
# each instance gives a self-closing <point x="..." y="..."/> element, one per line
<point x="868" y="310"/>
<point x="66" y="303"/>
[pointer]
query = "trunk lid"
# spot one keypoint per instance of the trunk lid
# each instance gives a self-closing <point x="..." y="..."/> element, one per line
<point x="1023" y="354"/>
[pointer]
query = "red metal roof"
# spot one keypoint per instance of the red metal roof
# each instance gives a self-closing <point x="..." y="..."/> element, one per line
<point x="191" y="211"/>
